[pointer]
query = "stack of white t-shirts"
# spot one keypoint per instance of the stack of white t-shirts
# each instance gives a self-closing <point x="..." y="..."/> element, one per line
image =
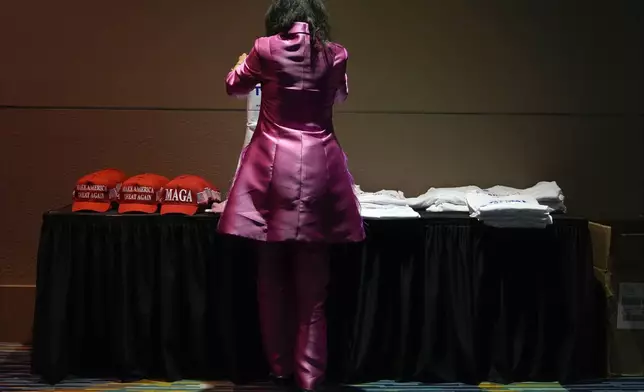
<point x="546" y="192"/>
<point x="515" y="211"/>
<point x="443" y="199"/>
<point x="384" y="204"/>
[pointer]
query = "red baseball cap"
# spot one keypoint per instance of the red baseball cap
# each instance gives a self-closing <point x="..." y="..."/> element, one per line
<point x="186" y="194"/>
<point x="96" y="191"/>
<point x="141" y="193"/>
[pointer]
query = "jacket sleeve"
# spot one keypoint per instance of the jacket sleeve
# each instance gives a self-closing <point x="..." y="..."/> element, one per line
<point x="243" y="79"/>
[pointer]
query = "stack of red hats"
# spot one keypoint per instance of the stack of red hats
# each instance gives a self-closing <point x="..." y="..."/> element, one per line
<point x="143" y="193"/>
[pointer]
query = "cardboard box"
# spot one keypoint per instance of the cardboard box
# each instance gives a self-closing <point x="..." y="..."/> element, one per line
<point x="618" y="259"/>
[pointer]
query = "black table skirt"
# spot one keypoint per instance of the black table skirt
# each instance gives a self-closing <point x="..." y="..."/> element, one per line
<point x="438" y="299"/>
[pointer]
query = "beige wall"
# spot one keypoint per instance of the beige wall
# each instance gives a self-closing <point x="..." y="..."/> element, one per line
<point x="443" y="93"/>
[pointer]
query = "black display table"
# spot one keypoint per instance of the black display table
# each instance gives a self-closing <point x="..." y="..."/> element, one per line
<point x="441" y="298"/>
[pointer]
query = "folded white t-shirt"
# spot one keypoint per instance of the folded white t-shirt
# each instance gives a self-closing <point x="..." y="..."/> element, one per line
<point x="485" y="203"/>
<point x="384" y="197"/>
<point x="544" y="191"/>
<point x="371" y="210"/>
<point x="456" y="196"/>
<point x="519" y="222"/>
<point x="448" y="207"/>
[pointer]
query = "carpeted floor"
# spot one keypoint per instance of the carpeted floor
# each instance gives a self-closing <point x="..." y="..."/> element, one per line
<point x="15" y="376"/>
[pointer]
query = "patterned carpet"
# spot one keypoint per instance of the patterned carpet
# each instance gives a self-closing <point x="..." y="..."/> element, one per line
<point x="15" y="376"/>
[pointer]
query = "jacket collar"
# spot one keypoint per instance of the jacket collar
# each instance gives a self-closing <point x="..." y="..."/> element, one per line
<point x="299" y="28"/>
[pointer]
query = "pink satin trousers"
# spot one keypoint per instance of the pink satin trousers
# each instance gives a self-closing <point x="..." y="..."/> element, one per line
<point x="292" y="290"/>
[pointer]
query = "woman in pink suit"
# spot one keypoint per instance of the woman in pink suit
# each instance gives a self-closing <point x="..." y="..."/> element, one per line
<point x="293" y="192"/>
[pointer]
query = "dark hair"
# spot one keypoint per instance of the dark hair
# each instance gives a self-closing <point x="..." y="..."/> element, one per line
<point x="282" y="14"/>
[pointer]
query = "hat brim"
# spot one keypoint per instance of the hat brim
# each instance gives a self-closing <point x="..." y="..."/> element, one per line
<point x="179" y="209"/>
<point x="134" y="207"/>
<point x="95" y="206"/>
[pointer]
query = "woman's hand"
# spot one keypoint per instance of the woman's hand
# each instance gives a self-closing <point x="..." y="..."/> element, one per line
<point x="240" y="61"/>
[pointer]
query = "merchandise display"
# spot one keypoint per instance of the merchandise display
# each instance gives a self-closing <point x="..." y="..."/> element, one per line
<point x="183" y="294"/>
<point x="498" y="206"/>
<point x="187" y="195"/>
<point x="496" y="278"/>
<point x="141" y="193"/>
<point x="97" y="191"/>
